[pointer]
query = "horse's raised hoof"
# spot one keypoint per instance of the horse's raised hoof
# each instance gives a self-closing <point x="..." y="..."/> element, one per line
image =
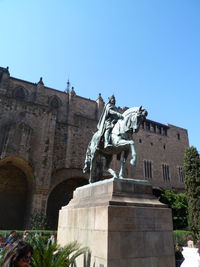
<point x="86" y="168"/>
<point x="107" y="146"/>
<point x="133" y="162"/>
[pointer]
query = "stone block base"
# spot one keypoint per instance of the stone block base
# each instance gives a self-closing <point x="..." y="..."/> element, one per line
<point x="121" y="222"/>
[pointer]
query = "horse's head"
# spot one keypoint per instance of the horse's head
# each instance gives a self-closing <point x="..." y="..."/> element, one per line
<point x="133" y="117"/>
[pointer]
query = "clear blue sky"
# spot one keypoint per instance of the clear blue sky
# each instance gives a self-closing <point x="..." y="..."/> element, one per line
<point x="146" y="52"/>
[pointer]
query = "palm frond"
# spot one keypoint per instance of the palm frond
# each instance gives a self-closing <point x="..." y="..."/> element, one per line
<point x="54" y="256"/>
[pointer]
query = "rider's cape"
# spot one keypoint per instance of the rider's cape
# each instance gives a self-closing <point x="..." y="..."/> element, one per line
<point x="101" y="123"/>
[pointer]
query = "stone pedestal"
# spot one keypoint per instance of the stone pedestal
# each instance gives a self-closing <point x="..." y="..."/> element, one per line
<point x="121" y="222"/>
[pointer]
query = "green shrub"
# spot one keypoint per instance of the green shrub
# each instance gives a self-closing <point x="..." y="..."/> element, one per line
<point x="38" y="221"/>
<point x="180" y="237"/>
<point x="19" y="233"/>
<point x="192" y="183"/>
<point x="53" y="256"/>
<point x="178" y="203"/>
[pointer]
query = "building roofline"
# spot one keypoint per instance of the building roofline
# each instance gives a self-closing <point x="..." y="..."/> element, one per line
<point x="167" y="125"/>
<point x="158" y="123"/>
<point x="171" y="125"/>
<point x="86" y="98"/>
<point x="13" y="78"/>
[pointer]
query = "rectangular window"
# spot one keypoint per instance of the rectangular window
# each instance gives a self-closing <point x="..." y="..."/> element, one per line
<point x="165" y="131"/>
<point x="165" y="171"/>
<point x="181" y="174"/>
<point x="153" y="128"/>
<point x="159" y="129"/>
<point x="147" y="126"/>
<point x="147" y="169"/>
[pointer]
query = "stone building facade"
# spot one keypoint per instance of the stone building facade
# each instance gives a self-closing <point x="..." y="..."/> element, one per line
<point x="44" y="135"/>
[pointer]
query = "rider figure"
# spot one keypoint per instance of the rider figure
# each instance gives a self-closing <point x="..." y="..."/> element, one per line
<point x="107" y="120"/>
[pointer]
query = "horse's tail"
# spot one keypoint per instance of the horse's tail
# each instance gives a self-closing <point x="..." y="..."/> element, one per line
<point x="92" y="147"/>
<point x="86" y="167"/>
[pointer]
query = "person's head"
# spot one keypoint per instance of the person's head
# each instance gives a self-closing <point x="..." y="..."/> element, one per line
<point x="12" y="233"/>
<point x="189" y="238"/>
<point x="53" y="234"/>
<point x="112" y="100"/>
<point x="18" y="255"/>
<point x="25" y="232"/>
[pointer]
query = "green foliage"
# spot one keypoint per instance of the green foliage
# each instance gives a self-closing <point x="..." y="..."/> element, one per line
<point x="53" y="256"/>
<point x="192" y="181"/>
<point x="2" y="253"/>
<point x="38" y="221"/>
<point x="178" y="204"/>
<point x="180" y="240"/>
<point x="19" y="233"/>
<point x="180" y="237"/>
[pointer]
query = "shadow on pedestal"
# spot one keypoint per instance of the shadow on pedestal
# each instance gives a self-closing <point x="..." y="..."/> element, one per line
<point x="121" y="222"/>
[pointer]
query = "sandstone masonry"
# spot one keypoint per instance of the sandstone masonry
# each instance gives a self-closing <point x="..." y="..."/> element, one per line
<point x="44" y="135"/>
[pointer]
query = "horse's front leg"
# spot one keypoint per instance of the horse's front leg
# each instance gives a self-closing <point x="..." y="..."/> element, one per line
<point x="121" y="173"/>
<point x="133" y="154"/>
<point x="92" y="166"/>
<point x="107" y="167"/>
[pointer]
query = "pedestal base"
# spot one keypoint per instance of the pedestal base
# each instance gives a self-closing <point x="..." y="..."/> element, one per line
<point x="121" y="222"/>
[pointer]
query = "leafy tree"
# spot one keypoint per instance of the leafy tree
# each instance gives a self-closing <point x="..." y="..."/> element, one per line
<point x="192" y="182"/>
<point x="38" y="221"/>
<point x="178" y="203"/>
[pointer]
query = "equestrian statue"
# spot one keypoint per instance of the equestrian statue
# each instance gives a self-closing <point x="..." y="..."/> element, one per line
<point x="114" y="136"/>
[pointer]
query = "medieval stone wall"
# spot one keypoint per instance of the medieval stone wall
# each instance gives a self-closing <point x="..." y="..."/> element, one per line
<point x="44" y="134"/>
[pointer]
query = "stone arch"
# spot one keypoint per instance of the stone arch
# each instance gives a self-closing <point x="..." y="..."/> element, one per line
<point x="16" y="187"/>
<point x="55" y="102"/>
<point x="20" y="93"/>
<point x="15" y="138"/>
<point x="61" y="193"/>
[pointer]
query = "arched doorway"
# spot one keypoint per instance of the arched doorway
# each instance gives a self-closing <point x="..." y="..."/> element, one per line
<point x="13" y="197"/>
<point x="60" y="196"/>
<point x="15" y="193"/>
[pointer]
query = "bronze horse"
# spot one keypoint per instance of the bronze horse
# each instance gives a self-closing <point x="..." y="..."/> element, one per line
<point x="121" y="140"/>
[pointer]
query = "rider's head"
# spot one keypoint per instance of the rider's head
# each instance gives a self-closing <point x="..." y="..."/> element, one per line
<point x="112" y="100"/>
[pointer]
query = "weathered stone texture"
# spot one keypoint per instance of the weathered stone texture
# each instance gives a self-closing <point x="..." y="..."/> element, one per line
<point x="121" y="222"/>
<point x="45" y="132"/>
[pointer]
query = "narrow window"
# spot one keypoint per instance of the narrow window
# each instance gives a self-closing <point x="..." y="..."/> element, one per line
<point x="147" y="126"/>
<point x="54" y="103"/>
<point x="154" y="128"/>
<point x="159" y="129"/>
<point x="19" y="94"/>
<point x="165" y="131"/>
<point x="165" y="171"/>
<point x="147" y="169"/>
<point x="181" y="174"/>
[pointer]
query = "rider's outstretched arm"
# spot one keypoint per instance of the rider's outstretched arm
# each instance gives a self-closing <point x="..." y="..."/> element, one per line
<point x="111" y="111"/>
